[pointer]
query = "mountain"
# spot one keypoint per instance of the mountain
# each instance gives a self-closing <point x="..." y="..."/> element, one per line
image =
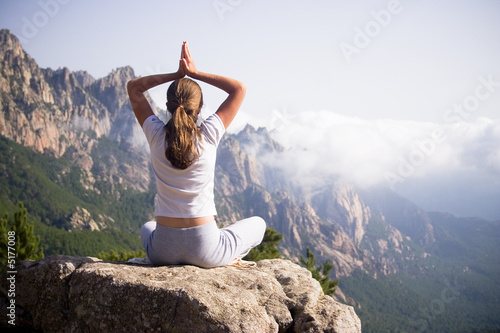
<point x="63" y="113"/>
<point x="73" y="152"/>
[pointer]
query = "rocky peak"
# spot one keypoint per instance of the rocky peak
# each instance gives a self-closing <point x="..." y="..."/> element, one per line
<point x="62" y="293"/>
<point x="340" y="203"/>
<point x="84" y="78"/>
<point x="401" y="213"/>
<point x="115" y="82"/>
<point x="236" y="168"/>
<point x="121" y="75"/>
<point x="111" y="90"/>
<point x="258" y="141"/>
<point x="333" y="219"/>
<point x="10" y="47"/>
<point x="52" y="111"/>
<point x="241" y="191"/>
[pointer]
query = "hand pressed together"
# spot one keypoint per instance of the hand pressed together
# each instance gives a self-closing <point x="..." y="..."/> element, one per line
<point x="186" y="63"/>
<point x="226" y="111"/>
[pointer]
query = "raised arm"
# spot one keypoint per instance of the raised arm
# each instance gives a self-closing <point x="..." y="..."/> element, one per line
<point x="138" y="86"/>
<point x="236" y="89"/>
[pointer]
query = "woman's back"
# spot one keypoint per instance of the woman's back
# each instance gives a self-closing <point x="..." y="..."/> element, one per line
<point x="185" y="193"/>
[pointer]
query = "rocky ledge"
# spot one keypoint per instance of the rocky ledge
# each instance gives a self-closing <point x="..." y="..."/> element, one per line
<point x="83" y="294"/>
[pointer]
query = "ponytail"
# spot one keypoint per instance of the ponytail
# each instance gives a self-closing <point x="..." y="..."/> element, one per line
<point x="184" y="103"/>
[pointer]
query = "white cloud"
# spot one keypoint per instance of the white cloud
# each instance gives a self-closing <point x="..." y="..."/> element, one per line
<point x="320" y="144"/>
<point x="480" y="145"/>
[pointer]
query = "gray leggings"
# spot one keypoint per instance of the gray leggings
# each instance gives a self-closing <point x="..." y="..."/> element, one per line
<point x="203" y="246"/>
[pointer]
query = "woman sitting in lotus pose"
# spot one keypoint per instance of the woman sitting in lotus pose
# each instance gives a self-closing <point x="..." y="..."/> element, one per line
<point x="183" y="158"/>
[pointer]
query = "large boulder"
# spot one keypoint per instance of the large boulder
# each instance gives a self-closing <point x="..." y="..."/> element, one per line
<point x="83" y="294"/>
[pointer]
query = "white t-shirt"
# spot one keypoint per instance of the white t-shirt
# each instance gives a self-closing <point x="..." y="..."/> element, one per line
<point x="190" y="192"/>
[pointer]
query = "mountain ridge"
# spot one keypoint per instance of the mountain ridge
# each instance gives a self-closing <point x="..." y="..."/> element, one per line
<point x="87" y="124"/>
<point x="69" y="115"/>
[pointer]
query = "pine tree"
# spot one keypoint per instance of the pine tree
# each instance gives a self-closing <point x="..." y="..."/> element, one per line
<point x="114" y="255"/>
<point x="320" y="273"/>
<point x="268" y="249"/>
<point x="25" y="244"/>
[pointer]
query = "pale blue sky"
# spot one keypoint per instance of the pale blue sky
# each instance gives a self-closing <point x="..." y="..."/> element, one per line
<point x="361" y="84"/>
<point x="428" y="56"/>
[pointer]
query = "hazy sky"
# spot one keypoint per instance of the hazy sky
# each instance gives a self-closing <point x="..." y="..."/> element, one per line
<point x="365" y="84"/>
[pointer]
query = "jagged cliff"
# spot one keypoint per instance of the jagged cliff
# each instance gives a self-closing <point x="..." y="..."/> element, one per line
<point x="336" y="220"/>
<point x="60" y="112"/>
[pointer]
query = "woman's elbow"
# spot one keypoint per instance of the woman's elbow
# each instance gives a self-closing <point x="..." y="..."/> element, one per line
<point x="134" y="86"/>
<point x="242" y="88"/>
<point x="131" y="85"/>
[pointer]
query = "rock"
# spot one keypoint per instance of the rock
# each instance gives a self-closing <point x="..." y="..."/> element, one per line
<point x="401" y="214"/>
<point x="76" y="294"/>
<point x="82" y="219"/>
<point x="341" y="203"/>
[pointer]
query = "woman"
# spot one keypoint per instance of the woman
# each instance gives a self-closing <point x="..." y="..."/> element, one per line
<point x="183" y="159"/>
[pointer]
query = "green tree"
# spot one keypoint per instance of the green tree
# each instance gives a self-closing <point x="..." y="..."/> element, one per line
<point x="268" y="249"/>
<point x="18" y="237"/>
<point x="114" y="255"/>
<point x="320" y="273"/>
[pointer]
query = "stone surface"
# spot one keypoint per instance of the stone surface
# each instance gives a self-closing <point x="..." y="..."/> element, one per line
<point x="83" y="294"/>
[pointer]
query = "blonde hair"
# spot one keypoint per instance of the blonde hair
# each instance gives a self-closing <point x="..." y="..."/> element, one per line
<point x="184" y="102"/>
